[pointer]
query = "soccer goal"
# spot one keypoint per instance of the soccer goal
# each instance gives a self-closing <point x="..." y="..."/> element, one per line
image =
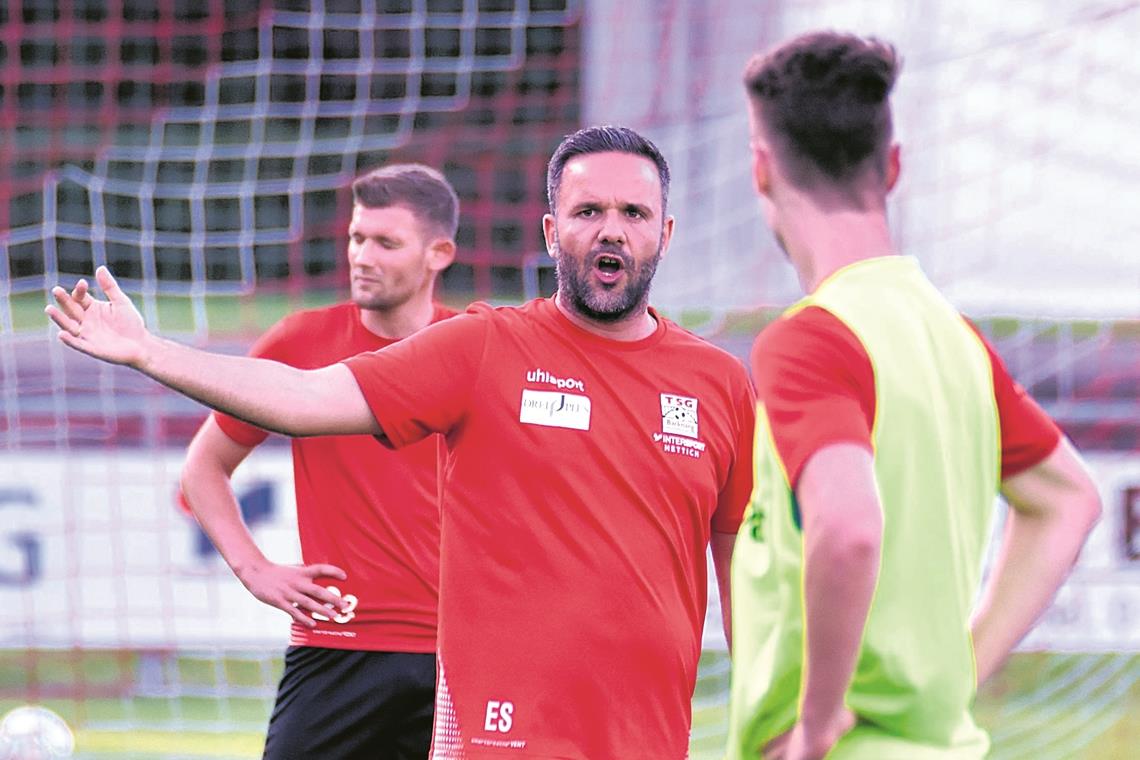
<point x="201" y="149"/>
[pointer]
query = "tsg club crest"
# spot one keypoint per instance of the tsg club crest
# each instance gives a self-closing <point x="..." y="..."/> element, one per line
<point x="678" y="415"/>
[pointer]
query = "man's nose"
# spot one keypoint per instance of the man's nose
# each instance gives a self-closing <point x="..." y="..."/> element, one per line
<point x="612" y="230"/>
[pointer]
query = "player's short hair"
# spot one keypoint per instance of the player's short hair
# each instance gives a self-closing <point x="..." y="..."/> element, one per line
<point x="422" y="189"/>
<point x="822" y="99"/>
<point x="603" y="139"/>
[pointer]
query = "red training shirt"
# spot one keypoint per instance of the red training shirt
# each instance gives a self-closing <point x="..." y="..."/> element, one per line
<point x="583" y="478"/>
<point x="818" y="387"/>
<point x="369" y="510"/>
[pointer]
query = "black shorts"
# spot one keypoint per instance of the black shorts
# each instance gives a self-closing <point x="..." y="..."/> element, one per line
<point x="342" y="704"/>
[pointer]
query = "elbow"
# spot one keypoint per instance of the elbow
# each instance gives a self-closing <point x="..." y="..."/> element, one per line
<point x="853" y="552"/>
<point x="860" y="550"/>
<point x="1091" y="507"/>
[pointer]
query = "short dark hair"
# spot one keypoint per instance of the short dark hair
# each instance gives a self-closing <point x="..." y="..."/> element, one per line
<point x="425" y="191"/>
<point x="822" y="99"/>
<point x="603" y="139"/>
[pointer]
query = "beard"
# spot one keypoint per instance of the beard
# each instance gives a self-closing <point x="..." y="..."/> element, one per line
<point x="595" y="300"/>
<point x="382" y="296"/>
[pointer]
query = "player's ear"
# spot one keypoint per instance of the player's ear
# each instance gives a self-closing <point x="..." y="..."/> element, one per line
<point x="761" y="168"/>
<point x="666" y="234"/>
<point x="550" y="235"/>
<point x="441" y="252"/>
<point x="894" y="165"/>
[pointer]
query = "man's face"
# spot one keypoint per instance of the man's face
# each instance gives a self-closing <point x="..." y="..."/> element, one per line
<point x="387" y="257"/>
<point x="608" y="234"/>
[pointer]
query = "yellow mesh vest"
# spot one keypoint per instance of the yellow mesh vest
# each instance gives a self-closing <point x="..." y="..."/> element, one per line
<point x="937" y="461"/>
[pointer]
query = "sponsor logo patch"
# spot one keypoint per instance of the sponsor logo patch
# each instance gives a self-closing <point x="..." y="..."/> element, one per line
<point x="552" y="409"/>
<point x="679" y="415"/>
<point x="676" y="444"/>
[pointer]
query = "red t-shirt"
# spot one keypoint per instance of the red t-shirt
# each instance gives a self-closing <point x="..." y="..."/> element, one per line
<point x="582" y="481"/>
<point x="369" y="510"/>
<point x="817" y="385"/>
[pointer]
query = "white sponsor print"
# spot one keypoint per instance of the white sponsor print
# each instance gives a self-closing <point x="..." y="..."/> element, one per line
<point x="562" y="383"/>
<point x="679" y="415"/>
<point x="499" y="716"/>
<point x="551" y="409"/>
<point x="349" y="611"/>
<point x="675" y="444"/>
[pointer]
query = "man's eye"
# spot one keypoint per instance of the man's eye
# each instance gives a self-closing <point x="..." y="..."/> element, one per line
<point x="588" y="212"/>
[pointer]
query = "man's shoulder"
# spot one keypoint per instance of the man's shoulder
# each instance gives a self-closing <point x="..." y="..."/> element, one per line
<point x="678" y="338"/>
<point x="530" y="313"/>
<point x="801" y="328"/>
<point x="318" y="317"/>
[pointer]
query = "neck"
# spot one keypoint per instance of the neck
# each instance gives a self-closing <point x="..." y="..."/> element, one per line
<point x="399" y="321"/>
<point x="636" y="326"/>
<point x="821" y="242"/>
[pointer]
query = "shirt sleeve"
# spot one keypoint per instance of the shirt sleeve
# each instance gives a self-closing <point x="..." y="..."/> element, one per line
<point x="734" y="496"/>
<point x="422" y="384"/>
<point x="273" y="344"/>
<point x="816" y="386"/>
<point x="1028" y="434"/>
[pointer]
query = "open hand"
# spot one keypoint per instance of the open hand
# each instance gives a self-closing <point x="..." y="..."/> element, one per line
<point x="292" y="588"/>
<point x="110" y="330"/>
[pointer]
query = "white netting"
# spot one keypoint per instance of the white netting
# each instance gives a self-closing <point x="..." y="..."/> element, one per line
<point x="1016" y="125"/>
<point x="1016" y="196"/>
<point x="203" y="198"/>
<point x="120" y="614"/>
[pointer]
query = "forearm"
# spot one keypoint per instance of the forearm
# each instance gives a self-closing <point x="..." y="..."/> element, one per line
<point x="1036" y="555"/>
<point x="839" y="583"/>
<point x="207" y="488"/>
<point x="212" y="500"/>
<point x="722" y="545"/>
<point x="269" y="394"/>
<point x="1053" y="506"/>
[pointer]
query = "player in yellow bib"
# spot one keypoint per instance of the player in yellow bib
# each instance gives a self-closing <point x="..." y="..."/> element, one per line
<point x="886" y="427"/>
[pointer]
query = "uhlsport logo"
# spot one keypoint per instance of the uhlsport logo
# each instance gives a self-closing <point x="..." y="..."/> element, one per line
<point x="679" y="415"/>
<point x="561" y="383"/>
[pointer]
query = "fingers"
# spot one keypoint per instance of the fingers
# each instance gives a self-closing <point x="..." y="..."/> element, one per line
<point x="314" y="600"/>
<point x="296" y="613"/>
<point x="66" y="324"/>
<point x="110" y="287"/>
<point x="324" y="571"/>
<point x="81" y="294"/>
<point x="326" y="598"/>
<point x="67" y="305"/>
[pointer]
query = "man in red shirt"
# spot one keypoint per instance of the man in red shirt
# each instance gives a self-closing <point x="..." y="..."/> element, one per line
<point x="594" y="450"/>
<point x="358" y="682"/>
<point x="888" y="428"/>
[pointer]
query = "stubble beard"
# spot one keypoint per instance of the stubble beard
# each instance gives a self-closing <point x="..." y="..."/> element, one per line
<point x="598" y="302"/>
<point x="382" y="298"/>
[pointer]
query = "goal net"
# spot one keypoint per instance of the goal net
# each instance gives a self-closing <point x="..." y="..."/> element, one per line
<point x="1015" y="198"/>
<point x="201" y="149"/>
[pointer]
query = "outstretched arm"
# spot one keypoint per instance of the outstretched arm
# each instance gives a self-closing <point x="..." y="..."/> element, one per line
<point x="271" y="395"/>
<point x="210" y="461"/>
<point x="1053" y="506"/>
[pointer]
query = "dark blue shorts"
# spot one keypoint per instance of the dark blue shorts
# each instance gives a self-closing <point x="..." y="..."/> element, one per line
<point x="341" y="704"/>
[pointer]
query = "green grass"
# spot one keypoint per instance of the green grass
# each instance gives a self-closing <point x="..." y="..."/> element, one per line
<point x="1043" y="706"/>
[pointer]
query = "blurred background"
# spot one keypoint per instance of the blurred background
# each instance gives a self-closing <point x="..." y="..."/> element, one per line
<point x="202" y="150"/>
